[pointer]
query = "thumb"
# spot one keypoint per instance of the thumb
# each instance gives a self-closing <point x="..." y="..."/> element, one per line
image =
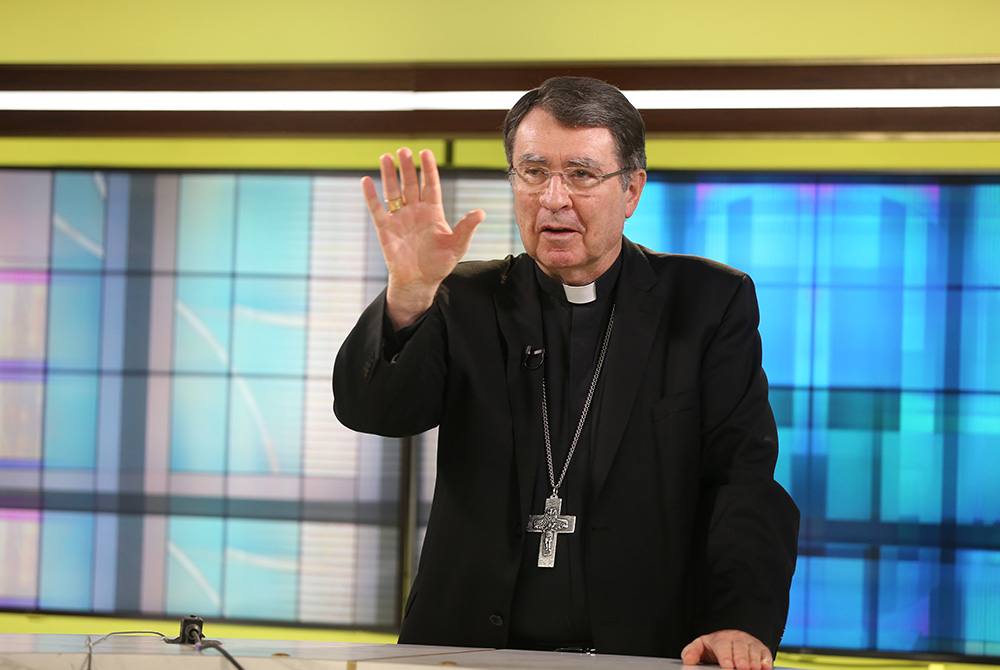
<point x="463" y="229"/>
<point x="693" y="653"/>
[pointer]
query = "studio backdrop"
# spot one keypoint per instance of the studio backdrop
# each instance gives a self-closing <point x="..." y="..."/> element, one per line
<point x="168" y="447"/>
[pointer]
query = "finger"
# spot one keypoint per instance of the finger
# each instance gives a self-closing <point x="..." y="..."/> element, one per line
<point x="390" y="180"/>
<point x="760" y="656"/>
<point x="741" y="655"/>
<point x="371" y="199"/>
<point x="430" y="180"/>
<point x="408" y="176"/>
<point x="724" y="654"/>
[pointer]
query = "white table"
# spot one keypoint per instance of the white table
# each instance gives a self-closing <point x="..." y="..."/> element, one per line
<point x="121" y="652"/>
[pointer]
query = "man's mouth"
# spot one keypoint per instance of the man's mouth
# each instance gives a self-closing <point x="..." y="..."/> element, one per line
<point x="558" y="231"/>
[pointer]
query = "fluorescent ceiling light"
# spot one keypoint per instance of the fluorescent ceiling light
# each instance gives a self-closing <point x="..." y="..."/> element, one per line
<point x="894" y="98"/>
<point x="362" y="101"/>
<point x="255" y="101"/>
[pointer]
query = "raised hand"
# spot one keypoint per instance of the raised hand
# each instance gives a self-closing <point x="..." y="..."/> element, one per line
<point x="419" y="246"/>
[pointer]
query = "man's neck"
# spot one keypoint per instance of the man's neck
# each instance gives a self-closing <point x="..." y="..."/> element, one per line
<point x="598" y="289"/>
<point x="579" y="276"/>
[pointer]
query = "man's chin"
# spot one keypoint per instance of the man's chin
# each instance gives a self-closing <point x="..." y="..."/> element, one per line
<point x="559" y="260"/>
<point x="566" y="267"/>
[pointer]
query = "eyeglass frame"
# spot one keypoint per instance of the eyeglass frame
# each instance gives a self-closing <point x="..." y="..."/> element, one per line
<point x="511" y="172"/>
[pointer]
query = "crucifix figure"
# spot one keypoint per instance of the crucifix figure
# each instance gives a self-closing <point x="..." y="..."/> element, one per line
<point x="549" y="524"/>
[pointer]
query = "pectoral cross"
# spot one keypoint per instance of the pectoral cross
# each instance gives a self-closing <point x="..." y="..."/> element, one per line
<point x="549" y="525"/>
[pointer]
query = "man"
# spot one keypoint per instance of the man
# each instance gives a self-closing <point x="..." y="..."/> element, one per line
<point x="606" y="447"/>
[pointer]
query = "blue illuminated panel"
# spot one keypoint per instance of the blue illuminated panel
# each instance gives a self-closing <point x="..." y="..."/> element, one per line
<point x="880" y="305"/>
<point x="194" y="569"/>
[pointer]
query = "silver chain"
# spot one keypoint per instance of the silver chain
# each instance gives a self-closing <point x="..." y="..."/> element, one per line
<point x="583" y="414"/>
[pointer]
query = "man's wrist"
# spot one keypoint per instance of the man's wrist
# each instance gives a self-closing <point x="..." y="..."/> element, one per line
<point x="404" y="305"/>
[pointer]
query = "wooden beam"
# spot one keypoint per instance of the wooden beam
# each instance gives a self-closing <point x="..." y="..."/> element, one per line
<point x="448" y="124"/>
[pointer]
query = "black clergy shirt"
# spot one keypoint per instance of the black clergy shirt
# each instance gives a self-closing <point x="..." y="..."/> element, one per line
<point x="549" y="609"/>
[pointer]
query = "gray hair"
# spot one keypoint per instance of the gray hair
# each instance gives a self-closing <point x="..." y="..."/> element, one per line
<point x="583" y="102"/>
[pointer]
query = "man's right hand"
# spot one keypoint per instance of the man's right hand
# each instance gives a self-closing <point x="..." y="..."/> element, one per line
<point x="419" y="246"/>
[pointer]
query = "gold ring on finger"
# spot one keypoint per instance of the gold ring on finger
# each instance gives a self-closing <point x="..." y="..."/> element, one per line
<point x="395" y="203"/>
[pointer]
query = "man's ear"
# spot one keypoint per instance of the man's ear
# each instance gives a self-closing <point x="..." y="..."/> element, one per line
<point x="634" y="191"/>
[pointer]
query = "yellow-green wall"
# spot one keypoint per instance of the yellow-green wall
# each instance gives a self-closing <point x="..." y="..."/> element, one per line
<point x="241" y="31"/>
<point x="853" y="155"/>
<point x="47" y="624"/>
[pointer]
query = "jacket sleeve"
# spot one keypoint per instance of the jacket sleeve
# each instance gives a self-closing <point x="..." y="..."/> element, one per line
<point x="750" y="538"/>
<point x="390" y="393"/>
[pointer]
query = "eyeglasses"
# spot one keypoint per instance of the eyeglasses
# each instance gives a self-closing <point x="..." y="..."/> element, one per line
<point x="578" y="180"/>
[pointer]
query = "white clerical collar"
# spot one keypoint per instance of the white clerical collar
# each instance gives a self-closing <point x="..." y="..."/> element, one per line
<point x="581" y="295"/>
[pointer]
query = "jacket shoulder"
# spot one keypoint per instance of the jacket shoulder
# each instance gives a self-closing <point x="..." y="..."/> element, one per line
<point x="481" y="275"/>
<point x="690" y="269"/>
<point x="480" y="269"/>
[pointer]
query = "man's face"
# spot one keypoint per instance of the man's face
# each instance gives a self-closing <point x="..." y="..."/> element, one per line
<point x="573" y="236"/>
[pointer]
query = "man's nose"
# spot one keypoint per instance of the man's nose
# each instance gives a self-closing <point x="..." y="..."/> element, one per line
<point x="555" y="195"/>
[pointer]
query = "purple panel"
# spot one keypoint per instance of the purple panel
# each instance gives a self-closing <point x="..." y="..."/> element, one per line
<point x="25" y="199"/>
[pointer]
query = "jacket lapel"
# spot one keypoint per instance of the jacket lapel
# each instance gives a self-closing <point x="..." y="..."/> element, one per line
<point x="638" y="305"/>
<point x="520" y="319"/>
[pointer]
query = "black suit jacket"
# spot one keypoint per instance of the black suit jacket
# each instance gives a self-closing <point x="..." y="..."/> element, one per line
<point x="688" y="531"/>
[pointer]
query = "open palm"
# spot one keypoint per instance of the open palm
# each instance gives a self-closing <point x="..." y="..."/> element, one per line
<point x="419" y="246"/>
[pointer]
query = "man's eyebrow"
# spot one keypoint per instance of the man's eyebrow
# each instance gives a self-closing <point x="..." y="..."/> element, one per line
<point x="532" y="158"/>
<point x="570" y="162"/>
<point x="583" y="162"/>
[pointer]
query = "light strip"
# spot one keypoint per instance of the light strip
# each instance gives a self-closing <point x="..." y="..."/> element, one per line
<point x="254" y="101"/>
<point x="370" y="101"/>
<point x="879" y="98"/>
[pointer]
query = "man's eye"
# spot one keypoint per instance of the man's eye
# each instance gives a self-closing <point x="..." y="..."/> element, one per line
<point x="582" y="175"/>
<point x="535" y="172"/>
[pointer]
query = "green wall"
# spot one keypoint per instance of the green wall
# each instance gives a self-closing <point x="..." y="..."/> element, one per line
<point x="297" y="31"/>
